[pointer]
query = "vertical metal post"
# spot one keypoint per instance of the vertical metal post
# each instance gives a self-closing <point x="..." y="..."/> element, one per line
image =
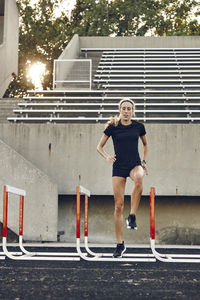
<point x="54" y="75"/>
<point x="90" y="74"/>
<point x="86" y="217"/>
<point x="152" y="213"/>
<point x="78" y="212"/>
<point x="5" y="211"/>
<point x="21" y="215"/>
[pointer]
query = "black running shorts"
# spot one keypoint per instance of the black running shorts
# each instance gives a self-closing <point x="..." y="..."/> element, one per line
<point x="123" y="172"/>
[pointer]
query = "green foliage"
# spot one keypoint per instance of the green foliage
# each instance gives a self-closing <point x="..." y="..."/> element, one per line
<point x="90" y="18"/>
<point x="134" y="17"/>
<point x="174" y="17"/>
<point x="43" y="36"/>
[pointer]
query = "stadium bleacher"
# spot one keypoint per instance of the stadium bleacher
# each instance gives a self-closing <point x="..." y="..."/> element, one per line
<point x="163" y="82"/>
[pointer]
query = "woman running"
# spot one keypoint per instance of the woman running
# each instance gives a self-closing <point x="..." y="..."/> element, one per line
<point x="126" y="162"/>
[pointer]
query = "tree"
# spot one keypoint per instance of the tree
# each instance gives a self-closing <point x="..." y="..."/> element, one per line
<point x="42" y="37"/>
<point x="174" y="17"/>
<point x="134" y="17"/>
<point x="91" y="18"/>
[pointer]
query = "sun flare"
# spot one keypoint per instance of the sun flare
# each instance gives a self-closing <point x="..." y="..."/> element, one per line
<point x="36" y="74"/>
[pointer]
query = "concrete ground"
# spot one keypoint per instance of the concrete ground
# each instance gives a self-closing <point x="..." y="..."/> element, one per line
<point x="98" y="280"/>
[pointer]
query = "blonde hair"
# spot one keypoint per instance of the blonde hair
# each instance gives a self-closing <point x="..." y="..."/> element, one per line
<point x="115" y="120"/>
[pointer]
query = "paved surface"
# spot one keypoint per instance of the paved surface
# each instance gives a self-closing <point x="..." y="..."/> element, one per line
<point x="98" y="280"/>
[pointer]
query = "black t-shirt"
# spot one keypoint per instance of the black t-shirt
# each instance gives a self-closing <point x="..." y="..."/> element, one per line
<point x="125" y="141"/>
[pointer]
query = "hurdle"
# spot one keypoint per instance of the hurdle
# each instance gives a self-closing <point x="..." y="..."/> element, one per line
<point x="131" y="257"/>
<point x="26" y="255"/>
<point x="172" y="258"/>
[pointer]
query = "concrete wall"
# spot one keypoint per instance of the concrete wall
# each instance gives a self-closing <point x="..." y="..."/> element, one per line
<point x="67" y="154"/>
<point x="1" y="20"/>
<point x="9" y="46"/>
<point x="41" y="201"/>
<point x="177" y="220"/>
<point x="72" y="50"/>
<point x="141" y="42"/>
<point x="1" y="28"/>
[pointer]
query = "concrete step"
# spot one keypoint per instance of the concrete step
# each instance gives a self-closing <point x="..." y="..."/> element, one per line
<point x="6" y="108"/>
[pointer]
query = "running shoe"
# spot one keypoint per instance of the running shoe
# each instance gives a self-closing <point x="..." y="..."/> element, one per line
<point x="131" y="222"/>
<point x="120" y="249"/>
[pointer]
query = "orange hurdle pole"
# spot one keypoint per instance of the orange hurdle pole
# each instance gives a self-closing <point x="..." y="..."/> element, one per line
<point x="26" y="255"/>
<point x="181" y="258"/>
<point x="140" y="257"/>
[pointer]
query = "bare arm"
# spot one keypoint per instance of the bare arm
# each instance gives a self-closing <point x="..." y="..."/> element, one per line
<point x="100" y="149"/>
<point x="145" y="147"/>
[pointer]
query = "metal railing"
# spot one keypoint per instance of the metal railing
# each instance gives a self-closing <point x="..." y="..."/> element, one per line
<point x="72" y="74"/>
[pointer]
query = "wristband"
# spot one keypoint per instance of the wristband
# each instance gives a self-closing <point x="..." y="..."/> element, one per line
<point x="144" y="161"/>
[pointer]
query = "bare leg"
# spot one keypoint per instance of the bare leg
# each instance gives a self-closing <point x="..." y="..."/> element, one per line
<point x="137" y="176"/>
<point x="118" y="189"/>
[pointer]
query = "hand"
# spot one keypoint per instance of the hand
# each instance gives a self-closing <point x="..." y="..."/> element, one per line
<point x="144" y="165"/>
<point x="111" y="158"/>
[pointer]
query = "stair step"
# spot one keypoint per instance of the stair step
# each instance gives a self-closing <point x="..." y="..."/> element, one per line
<point x="6" y="108"/>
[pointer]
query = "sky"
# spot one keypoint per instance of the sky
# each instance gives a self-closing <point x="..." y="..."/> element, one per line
<point x="69" y="4"/>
